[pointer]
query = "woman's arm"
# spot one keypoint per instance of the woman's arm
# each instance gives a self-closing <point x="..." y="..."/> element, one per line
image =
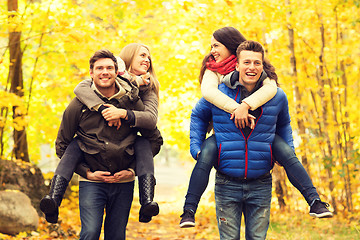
<point x="148" y="117"/>
<point x="210" y="91"/>
<point x="87" y="96"/>
<point x="258" y="98"/>
<point x="262" y="95"/>
<point x="143" y="119"/>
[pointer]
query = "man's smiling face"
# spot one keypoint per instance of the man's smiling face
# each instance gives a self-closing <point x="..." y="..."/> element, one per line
<point x="103" y="73"/>
<point x="250" y="67"/>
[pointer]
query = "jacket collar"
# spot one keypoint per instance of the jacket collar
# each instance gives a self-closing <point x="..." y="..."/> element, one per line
<point x="234" y="80"/>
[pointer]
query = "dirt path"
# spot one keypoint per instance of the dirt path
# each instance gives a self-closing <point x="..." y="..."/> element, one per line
<point x="172" y="180"/>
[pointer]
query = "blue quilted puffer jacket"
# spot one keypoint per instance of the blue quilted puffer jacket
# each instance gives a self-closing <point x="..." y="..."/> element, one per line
<point x="240" y="155"/>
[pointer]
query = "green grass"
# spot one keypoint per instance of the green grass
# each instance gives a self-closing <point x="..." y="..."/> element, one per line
<point x="298" y="226"/>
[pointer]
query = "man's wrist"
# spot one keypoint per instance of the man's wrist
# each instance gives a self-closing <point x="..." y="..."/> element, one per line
<point x="132" y="171"/>
<point x="88" y="174"/>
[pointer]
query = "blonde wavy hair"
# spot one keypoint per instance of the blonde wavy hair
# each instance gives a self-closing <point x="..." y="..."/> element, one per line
<point x="128" y="53"/>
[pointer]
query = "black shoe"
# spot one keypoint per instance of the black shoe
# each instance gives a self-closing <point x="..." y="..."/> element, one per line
<point x="320" y="210"/>
<point x="147" y="211"/>
<point x="48" y="205"/>
<point x="144" y="218"/>
<point x="187" y="219"/>
<point x="52" y="217"/>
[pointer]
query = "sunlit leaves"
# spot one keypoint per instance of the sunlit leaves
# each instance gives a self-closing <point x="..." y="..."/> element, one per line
<point x="59" y="36"/>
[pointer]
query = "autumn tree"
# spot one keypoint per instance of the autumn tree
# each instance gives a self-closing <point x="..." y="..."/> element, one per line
<point x="20" y="148"/>
<point x="314" y="50"/>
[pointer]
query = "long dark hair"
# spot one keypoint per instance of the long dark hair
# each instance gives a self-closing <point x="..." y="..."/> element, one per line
<point x="231" y="38"/>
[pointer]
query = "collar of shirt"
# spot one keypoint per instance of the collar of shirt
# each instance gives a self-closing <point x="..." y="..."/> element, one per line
<point x="117" y="95"/>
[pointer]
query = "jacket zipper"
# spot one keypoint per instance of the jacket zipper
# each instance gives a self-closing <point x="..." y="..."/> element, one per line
<point x="246" y="157"/>
<point x="219" y="154"/>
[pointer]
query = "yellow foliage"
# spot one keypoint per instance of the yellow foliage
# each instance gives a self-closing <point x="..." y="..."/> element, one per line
<point x="58" y="37"/>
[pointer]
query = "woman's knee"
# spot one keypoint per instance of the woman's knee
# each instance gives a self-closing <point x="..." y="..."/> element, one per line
<point x="209" y="151"/>
<point x="281" y="149"/>
<point x="209" y="146"/>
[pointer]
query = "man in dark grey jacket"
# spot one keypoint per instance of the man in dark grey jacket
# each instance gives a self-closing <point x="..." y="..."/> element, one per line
<point x="109" y="182"/>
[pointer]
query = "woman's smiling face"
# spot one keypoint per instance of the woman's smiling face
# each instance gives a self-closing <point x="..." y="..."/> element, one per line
<point x="141" y="62"/>
<point x="219" y="51"/>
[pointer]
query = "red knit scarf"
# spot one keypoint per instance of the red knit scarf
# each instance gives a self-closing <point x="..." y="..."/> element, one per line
<point x="224" y="67"/>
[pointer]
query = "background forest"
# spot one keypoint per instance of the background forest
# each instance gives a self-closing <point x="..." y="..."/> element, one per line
<point x="45" y="46"/>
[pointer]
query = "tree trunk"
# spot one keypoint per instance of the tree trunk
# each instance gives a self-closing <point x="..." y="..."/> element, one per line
<point x="299" y="110"/>
<point x="279" y="178"/>
<point x="324" y="103"/>
<point x="345" y="140"/>
<point x="280" y="186"/>
<point x="16" y="77"/>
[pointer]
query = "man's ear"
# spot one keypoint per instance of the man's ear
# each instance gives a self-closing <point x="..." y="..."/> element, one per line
<point x="237" y="66"/>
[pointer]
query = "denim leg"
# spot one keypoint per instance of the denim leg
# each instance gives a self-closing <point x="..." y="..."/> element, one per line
<point x="200" y="175"/>
<point x="144" y="157"/>
<point x="256" y="208"/>
<point x="118" y="210"/>
<point x="68" y="162"/>
<point x="115" y="198"/>
<point x="229" y="198"/>
<point x="295" y="171"/>
<point x="92" y="201"/>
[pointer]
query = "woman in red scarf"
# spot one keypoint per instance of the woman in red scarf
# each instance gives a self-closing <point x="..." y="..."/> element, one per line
<point x="219" y="62"/>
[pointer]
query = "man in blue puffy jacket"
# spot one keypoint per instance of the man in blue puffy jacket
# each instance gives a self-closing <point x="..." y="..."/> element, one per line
<point x="243" y="179"/>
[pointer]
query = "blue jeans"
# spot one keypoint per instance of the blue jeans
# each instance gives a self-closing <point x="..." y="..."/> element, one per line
<point x="116" y="198"/>
<point x="295" y="171"/>
<point x="234" y="198"/>
<point x="200" y="175"/>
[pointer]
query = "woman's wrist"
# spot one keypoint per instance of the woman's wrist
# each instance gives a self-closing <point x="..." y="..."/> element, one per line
<point x="245" y="105"/>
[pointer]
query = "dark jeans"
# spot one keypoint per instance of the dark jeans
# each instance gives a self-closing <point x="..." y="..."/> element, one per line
<point x="200" y="175"/>
<point x="282" y="152"/>
<point x="68" y="162"/>
<point x="295" y="171"/>
<point x="144" y="156"/>
<point x="115" y="198"/>
<point x="73" y="156"/>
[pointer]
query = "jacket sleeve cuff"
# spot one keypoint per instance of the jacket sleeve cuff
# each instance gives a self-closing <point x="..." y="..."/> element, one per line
<point x="101" y="108"/>
<point x="131" y="118"/>
<point x="82" y="169"/>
